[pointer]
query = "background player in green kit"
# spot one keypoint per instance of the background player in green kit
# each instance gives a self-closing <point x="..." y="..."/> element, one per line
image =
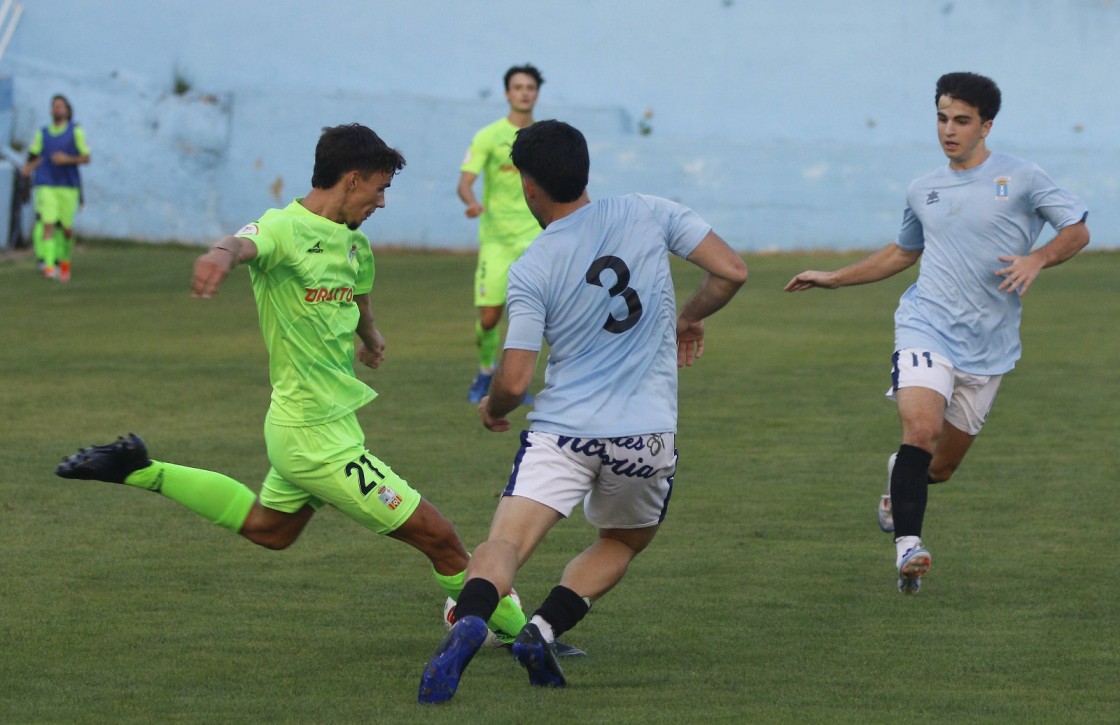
<point x="505" y="226"/>
<point x="312" y="272"/>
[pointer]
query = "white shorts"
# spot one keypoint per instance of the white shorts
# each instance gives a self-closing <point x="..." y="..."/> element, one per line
<point x="968" y="398"/>
<point x="624" y="483"/>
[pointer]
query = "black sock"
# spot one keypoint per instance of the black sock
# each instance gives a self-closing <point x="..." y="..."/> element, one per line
<point x="909" y="490"/>
<point x="562" y="609"/>
<point x="479" y="598"/>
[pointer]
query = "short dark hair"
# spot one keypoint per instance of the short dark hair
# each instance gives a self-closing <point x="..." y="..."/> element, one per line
<point x="554" y="155"/>
<point x="528" y="69"/>
<point x="972" y="88"/>
<point x="69" y="108"/>
<point x="352" y="147"/>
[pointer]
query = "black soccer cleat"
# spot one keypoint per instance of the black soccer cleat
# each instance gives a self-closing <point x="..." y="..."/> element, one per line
<point x="112" y="462"/>
<point x="538" y="658"/>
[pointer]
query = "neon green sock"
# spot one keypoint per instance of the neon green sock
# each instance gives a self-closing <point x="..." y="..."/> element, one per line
<point x="48" y="250"/>
<point x="488" y="342"/>
<point x="63" y="245"/>
<point x="508" y="617"/>
<point x="37" y="239"/>
<point x="213" y="496"/>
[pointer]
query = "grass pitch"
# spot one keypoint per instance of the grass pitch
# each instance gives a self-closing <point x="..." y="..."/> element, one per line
<point x="767" y="597"/>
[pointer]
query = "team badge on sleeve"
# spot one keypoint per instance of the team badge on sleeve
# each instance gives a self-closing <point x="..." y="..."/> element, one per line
<point x="248" y="230"/>
<point x="1001" y="188"/>
<point x="389" y="497"/>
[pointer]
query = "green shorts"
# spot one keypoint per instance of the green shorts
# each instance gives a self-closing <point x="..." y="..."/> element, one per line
<point x="329" y="464"/>
<point x="492" y="273"/>
<point x="56" y="205"/>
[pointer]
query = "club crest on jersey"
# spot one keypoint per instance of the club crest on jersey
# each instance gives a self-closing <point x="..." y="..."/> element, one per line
<point x="1001" y="188"/>
<point x="248" y="230"/>
<point x="317" y="249"/>
<point x="353" y="252"/>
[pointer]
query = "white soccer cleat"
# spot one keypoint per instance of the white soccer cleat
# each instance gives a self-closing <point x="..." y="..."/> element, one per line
<point x="915" y="562"/>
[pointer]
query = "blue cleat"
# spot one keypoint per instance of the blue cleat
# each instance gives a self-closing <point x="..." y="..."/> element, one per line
<point x="915" y="563"/>
<point x="479" y="388"/>
<point x="538" y="658"/>
<point x="441" y="676"/>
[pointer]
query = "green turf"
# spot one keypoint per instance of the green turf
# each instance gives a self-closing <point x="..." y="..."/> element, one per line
<point x="767" y="597"/>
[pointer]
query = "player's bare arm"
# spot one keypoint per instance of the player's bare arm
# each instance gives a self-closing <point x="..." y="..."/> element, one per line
<point x="507" y="390"/>
<point x="886" y="262"/>
<point x="370" y="350"/>
<point x="211" y="268"/>
<point x="1021" y="271"/>
<point x="726" y="274"/>
<point x="466" y="193"/>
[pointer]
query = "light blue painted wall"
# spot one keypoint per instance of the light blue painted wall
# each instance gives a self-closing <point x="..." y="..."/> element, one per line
<point x="789" y="124"/>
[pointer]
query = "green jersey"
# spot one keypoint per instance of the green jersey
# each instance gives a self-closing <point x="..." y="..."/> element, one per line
<point x="506" y="218"/>
<point x="305" y="275"/>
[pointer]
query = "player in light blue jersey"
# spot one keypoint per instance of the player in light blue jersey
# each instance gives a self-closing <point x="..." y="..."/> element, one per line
<point x="596" y="286"/>
<point x="973" y="224"/>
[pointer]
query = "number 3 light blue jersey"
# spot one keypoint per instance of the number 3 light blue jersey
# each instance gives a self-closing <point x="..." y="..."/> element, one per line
<point x="964" y="221"/>
<point x="596" y="286"/>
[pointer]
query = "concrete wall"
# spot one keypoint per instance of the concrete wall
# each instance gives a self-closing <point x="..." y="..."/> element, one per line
<point x="789" y="124"/>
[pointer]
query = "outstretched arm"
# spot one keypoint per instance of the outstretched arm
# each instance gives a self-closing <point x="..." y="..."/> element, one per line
<point x="371" y="348"/>
<point x="1020" y="272"/>
<point x="726" y="274"/>
<point x="888" y="261"/>
<point x="211" y="268"/>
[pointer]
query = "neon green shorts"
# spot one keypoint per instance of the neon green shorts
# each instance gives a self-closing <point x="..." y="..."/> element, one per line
<point x="56" y="205"/>
<point x="492" y="273"/>
<point x="329" y="464"/>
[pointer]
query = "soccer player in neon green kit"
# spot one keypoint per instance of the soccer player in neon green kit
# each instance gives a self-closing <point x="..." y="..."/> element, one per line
<point x="54" y="156"/>
<point x="312" y="272"/>
<point x="506" y="226"/>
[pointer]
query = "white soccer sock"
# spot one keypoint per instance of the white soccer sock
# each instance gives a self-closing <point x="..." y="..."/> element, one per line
<point x="544" y="627"/>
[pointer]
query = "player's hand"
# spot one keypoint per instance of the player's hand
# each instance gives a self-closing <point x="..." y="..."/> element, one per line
<point x="474" y="210"/>
<point x="209" y="271"/>
<point x="60" y="157"/>
<point x="497" y="425"/>
<point x="369" y="356"/>
<point x="1019" y="273"/>
<point x="690" y="341"/>
<point x="810" y="279"/>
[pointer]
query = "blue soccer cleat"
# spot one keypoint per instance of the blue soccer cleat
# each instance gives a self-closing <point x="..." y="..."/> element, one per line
<point x="479" y="388"/>
<point x="441" y="676"/>
<point x="538" y="658"/>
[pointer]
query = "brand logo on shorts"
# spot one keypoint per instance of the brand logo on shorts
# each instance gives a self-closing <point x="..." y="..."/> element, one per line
<point x="389" y="497"/>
